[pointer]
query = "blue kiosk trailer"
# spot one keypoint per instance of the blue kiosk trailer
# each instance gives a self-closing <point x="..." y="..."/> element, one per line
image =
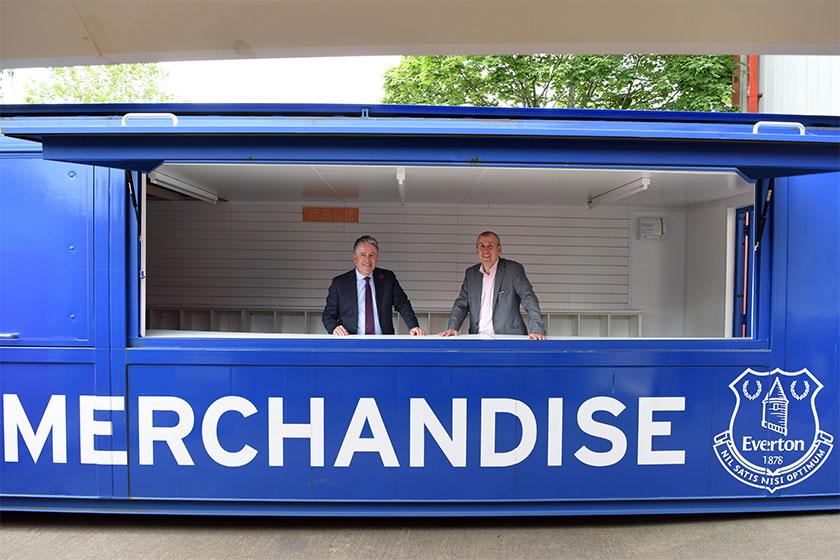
<point x="163" y="268"/>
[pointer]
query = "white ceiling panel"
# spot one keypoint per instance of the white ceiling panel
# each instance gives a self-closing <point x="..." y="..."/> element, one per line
<point x="546" y="186"/>
<point x="436" y="184"/>
<point x="363" y="184"/>
<point x="340" y="184"/>
<point x="256" y="182"/>
<point x="689" y="189"/>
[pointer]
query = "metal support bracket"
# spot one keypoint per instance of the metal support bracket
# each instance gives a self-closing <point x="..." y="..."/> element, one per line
<point x="768" y="199"/>
<point x="132" y="193"/>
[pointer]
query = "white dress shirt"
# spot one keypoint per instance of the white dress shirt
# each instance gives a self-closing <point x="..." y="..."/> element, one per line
<point x="485" y="314"/>
<point x="360" y="298"/>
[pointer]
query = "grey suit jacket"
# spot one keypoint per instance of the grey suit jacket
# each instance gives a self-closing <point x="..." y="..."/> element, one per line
<point x="511" y="288"/>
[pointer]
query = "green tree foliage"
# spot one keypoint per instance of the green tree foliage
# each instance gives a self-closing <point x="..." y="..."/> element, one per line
<point x="6" y="75"/>
<point x="120" y="83"/>
<point x="658" y="82"/>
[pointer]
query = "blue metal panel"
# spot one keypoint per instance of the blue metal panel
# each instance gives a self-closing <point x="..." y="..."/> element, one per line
<point x="46" y="355"/>
<point x="438" y="353"/>
<point x="424" y="509"/>
<point x="145" y="152"/>
<point x="46" y="251"/>
<point x="8" y="144"/>
<point x="51" y="206"/>
<point x="44" y="129"/>
<point x="708" y="407"/>
<point x="813" y="270"/>
<point x="813" y="288"/>
<point x="414" y="111"/>
<point x="121" y="241"/>
<point x="417" y="135"/>
<point x="34" y="385"/>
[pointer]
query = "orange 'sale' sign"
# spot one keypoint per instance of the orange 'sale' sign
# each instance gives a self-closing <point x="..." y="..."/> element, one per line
<point x="344" y="215"/>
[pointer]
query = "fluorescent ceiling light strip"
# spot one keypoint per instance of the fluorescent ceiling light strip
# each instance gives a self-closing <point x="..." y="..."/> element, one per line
<point x="184" y="188"/>
<point x="631" y="188"/>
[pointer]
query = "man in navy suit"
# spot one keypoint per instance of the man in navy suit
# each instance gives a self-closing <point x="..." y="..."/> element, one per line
<point x="360" y="301"/>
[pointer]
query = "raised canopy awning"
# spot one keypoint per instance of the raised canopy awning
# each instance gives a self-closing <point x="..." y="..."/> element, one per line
<point x="142" y="137"/>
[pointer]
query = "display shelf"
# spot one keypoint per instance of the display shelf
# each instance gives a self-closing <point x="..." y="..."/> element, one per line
<point x="617" y="323"/>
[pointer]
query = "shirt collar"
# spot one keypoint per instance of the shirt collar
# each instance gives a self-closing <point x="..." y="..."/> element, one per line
<point x="360" y="276"/>
<point x="492" y="269"/>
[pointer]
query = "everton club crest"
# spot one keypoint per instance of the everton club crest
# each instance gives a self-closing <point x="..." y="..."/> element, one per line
<point x="774" y="438"/>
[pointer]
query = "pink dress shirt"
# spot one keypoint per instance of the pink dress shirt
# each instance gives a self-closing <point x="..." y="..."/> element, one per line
<point x="485" y="314"/>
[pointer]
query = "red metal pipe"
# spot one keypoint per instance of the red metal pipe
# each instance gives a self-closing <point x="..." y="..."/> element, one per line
<point x="752" y="83"/>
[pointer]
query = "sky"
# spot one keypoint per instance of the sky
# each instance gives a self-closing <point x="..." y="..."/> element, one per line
<point x="289" y="80"/>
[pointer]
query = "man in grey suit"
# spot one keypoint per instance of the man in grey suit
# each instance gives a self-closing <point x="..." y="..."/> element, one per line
<point x="492" y="292"/>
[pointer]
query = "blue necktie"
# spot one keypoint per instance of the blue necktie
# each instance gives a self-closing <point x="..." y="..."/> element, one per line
<point x="370" y="327"/>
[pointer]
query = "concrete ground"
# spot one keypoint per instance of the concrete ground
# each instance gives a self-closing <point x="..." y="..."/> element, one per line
<point x="111" y="537"/>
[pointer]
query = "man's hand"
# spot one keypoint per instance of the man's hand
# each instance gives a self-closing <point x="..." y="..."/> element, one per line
<point x="448" y="332"/>
<point x="537" y="336"/>
<point x="340" y="331"/>
<point x="417" y="331"/>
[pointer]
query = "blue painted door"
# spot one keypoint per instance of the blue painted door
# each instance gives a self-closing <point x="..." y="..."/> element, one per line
<point x="46" y="252"/>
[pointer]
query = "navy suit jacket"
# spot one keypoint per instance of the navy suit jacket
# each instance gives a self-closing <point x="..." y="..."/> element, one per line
<point x="342" y="302"/>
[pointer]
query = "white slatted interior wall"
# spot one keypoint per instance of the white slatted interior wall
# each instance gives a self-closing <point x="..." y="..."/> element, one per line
<point x="576" y="258"/>
<point x="262" y="256"/>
